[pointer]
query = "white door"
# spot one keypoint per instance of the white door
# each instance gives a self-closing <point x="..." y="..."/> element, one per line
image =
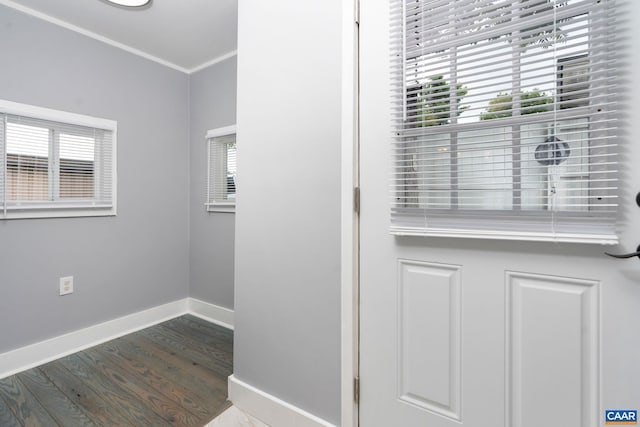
<point x="486" y="332"/>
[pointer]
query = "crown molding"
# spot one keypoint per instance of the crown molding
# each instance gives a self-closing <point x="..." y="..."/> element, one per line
<point x="64" y="24"/>
<point x="214" y="61"/>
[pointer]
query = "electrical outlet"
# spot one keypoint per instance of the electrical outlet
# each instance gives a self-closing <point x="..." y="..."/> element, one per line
<point x="66" y="285"/>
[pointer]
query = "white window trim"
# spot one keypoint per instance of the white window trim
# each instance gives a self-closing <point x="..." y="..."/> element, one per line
<point x="18" y="109"/>
<point x="63" y="210"/>
<point x="228" y="207"/>
<point x="223" y="131"/>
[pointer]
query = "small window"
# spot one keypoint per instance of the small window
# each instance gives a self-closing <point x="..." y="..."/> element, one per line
<point x="55" y="164"/>
<point x="221" y="185"/>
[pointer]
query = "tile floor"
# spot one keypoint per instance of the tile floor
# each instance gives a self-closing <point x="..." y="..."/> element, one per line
<point x="233" y="417"/>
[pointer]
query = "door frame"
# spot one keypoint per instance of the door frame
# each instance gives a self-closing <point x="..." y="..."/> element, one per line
<point x="350" y="221"/>
<point x="349" y="218"/>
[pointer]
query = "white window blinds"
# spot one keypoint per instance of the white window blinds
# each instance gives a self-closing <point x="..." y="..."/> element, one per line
<point x="55" y="168"/>
<point x="221" y="184"/>
<point x="504" y="119"/>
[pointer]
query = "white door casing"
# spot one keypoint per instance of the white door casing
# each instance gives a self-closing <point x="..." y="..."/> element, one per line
<point x="490" y="333"/>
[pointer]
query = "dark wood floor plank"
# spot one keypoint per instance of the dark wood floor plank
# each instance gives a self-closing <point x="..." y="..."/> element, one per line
<point x="7" y="419"/>
<point x="172" y="374"/>
<point x="213" y="353"/>
<point x="24" y="405"/>
<point x="139" y="367"/>
<point x="205" y="327"/>
<point x="213" y="340"/>
<point x="213" y="347"/>
<point x="83" y="396"/>
<point x="200" y="392"/>
<point x="219" y="361"/>
<point x="63" y="410"/>
<point x="125" y="402"/>
<point x="169" y="410"/>
<point x="205" y="337"/>
<point x="186" y="360"/>
<point x="202" y="381"/>
<point x="213" y="334"/>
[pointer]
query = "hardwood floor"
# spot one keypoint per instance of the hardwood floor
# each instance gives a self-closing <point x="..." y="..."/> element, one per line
<point x="171" y="374"/>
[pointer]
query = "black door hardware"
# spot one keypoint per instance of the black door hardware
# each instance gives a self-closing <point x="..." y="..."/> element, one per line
<point x="630" y="255"/>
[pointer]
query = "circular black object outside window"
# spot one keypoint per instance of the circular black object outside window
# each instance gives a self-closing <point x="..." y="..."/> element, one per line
<point x="552" y="151"/>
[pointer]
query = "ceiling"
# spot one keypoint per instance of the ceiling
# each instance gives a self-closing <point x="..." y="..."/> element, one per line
<point x="183" y="34"/>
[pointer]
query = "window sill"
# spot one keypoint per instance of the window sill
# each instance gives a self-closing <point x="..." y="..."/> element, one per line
<point x="221" y="207"/>
<point x="506" y="235"/>
<point x="32" y="213"/>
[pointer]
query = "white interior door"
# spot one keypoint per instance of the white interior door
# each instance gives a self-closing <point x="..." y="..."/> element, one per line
<point x="490" y="333"/>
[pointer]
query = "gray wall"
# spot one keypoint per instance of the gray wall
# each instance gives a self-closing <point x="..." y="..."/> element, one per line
<point x="122" y="264"/>
<point x="287" y="296"/>
<point x="212" y="103"/>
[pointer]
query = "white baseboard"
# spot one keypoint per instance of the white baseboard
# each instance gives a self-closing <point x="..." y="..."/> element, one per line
<point x="33" y="355"/>
<point x="211" y="313"/>
<point x="269" y="409"/>
<point x="36" y="354"/>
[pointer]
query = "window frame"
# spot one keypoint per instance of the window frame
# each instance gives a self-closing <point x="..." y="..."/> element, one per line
<point x="59" y="207"/>
<point x="477" y="223"/>
<point x="211" y="204"/>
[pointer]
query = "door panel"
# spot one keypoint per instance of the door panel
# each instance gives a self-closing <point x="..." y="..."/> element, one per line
<point x="552" y="350"/>
<point x="489" y="333"/>
<point x="429" y="306"/>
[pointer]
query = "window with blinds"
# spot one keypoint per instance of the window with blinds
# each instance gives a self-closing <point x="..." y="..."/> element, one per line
<point x="504" y="119"/>
<point x="221" y="184"/>
<point x="54" y="163"/>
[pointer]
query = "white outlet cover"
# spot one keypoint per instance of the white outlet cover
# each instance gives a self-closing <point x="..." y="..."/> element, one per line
<point x="66" y="285"/>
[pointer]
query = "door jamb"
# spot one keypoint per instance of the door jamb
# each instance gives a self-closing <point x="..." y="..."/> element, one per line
<point x="349" y="218"/>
